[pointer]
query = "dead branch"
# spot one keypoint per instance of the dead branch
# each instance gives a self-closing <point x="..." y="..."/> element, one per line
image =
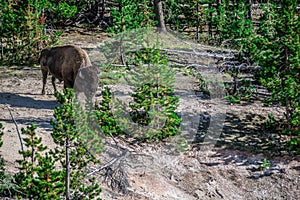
<point x="108" y="164"/>
<point x="210" y="54"/>
<point x="18" y="131"/>
<point x="114" y="176"/>
<point x="240" y="68"/>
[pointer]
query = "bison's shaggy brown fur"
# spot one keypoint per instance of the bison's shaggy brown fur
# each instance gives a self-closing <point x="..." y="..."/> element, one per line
<point x="64" y="63"/>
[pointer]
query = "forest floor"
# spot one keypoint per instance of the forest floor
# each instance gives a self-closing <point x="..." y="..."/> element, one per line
<point x="230" y="167"/>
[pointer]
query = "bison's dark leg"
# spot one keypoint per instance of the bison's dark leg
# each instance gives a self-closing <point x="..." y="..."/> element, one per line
<point x="68" y="84"/>
<point x="53" y="83"/>
<point x="45" y="73"/>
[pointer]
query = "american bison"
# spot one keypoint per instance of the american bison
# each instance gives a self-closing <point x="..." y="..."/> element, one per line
<point x="68" y="63"/>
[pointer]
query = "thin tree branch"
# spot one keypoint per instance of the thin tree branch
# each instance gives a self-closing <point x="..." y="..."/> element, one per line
<point x="18" y="131"/>
<point x="109" y="163"/>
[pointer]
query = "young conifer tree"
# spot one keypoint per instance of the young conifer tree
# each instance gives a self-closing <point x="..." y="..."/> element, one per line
<point x="37" y="177"/>
<point x="154" y="104"/>
<point x="73" y="133"/>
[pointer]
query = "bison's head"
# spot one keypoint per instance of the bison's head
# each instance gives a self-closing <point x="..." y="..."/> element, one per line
<point x="87" y="81"/>
<point x="44" y="56"/>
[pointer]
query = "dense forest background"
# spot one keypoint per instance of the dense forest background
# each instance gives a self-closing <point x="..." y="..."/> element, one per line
<point x="264" y="35"/>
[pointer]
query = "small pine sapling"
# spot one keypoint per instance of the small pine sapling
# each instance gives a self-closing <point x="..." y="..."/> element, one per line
<point x="105" y="116"/>
<point x="37" y="178"/>
<point x="70" y="132"/>
<point x="154" y="103"/>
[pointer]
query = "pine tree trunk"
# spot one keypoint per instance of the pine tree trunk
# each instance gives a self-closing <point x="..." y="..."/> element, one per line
<point x="198" y="22"/>
<point x="210" y="20"/>
<point x="249" y="5"/>
<point x="102" y="9"/>
<point x="67" y="186"/>
<point x="159" y="15"/>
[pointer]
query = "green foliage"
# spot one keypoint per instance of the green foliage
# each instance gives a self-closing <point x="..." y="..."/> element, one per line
<point x="233" y="99"/>
<point x="60" y="171"/>
<point x="188" y="17"/>
<point x="154" y="103"/>
<point x="276" y="48"/>
<point x="239" y="90"/>
<point x="105" y="116"/>
<point x="271" y="123"/>
<point x="200" y="80"/>
<point x="181" y="144"/>
<point x="266" y="164"/>
<point x="6" y="179"/>
<point x="233" y="25"/>
<point x="37" y="178"/>
<point x="214" y="21"/>
<point x="295" y="145"/>
<point x="184" y="15"/>
<point x="131" y="14"/>
<point x="22" y="31"/>
<point x="202" y="85"/>
<point x="88" y="127"/>
<point x="2" y="163"/>
<point x="60" y="11"/>
<point x="70" y="133"/>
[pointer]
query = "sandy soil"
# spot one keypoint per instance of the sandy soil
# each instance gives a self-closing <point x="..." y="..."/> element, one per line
<point x="230" y="169"/>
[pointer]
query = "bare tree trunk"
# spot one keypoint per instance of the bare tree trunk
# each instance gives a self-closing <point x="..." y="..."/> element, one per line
<point x="159" y="15"/>
<point x="102" y="9"/>
<point x="67" y="186"/>
<point x="198" y="22"/>
<point x="210" y="20"/>
<point x="249" y="5"/>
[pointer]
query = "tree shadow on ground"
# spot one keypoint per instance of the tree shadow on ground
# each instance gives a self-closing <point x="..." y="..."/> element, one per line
<point x="16" y="100"/>
<point x="247" y="132"/>
<point x="39" y="122"/>
<point x="244" y="132"/>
